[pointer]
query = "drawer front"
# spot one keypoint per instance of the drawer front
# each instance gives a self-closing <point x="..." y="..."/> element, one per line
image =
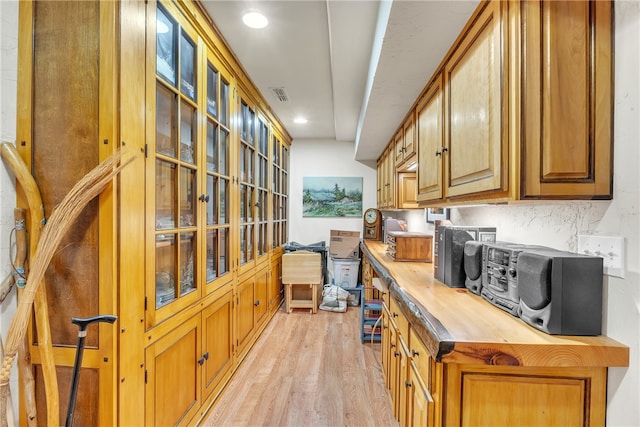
<point x="399" y="319"/>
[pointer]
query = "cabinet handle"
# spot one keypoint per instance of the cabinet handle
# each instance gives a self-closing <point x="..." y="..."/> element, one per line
<point x="206" y="356"/>
<point x="395" y="314"/>
<point x="408" y="384"/>
<point x="257" y="303"/>
<point x="201" y="361"/>
<point x="393" y="346"/>
<point x="444" y="149"/>
<point x="257" y="204"/>
<point x="414" y="353"/>
<point x="396" y="354"/>
<point x="204" y="198"/>
<point x="438" y="152"/>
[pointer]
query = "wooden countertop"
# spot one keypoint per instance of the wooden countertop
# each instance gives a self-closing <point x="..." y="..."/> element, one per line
<point x="458" y="326"/>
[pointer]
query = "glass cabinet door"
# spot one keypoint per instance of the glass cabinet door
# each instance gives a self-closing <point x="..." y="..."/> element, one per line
<point x="262" y="183"/>
<point x="247" y="180"/>
<point x="279" y="188"/>
<point x="218" y="175"/>
<point x="176" y="166"/>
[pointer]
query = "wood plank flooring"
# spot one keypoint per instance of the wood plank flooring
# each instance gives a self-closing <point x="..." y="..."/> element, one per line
<point x="307" y="370"/>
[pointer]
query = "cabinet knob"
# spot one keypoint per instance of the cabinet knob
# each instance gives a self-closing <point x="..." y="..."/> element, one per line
<point x="204" y="198"/>
<point x="408" y="384"/>
<point x="396" y="354"/>
<point x="438" y="152"/>
<point x="414" y="353"/>
<point x="395" y="314"/>
<point x="201" y="361"/>
<point x="257" y="303"/>
<point x="206" y="356"/>
<point x="444" y="149"/>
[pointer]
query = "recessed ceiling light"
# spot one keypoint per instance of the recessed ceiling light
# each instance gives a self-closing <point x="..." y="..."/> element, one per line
<point x="254" y="20"/>
<point x="300" y="120"/>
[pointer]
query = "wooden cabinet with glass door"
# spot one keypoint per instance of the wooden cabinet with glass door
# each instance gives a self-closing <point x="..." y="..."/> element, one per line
<point x="161" y="246"/>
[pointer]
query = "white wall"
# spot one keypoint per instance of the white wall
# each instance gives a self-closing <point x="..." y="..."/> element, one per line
<point x="325" y="158"/>
<point x="8" y="81"/>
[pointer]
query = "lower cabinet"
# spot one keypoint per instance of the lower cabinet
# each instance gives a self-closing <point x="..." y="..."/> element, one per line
<point x="427" y="393"/>
<point x="171" y="365"/>
<point x="199" y="355"/>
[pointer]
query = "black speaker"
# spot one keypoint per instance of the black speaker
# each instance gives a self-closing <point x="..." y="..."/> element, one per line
<point x="451" y="241"/>
<point x="561" y="292"/>
<point x="473" y="265"/>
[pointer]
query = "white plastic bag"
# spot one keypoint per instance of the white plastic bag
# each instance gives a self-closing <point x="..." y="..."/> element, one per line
<point x="334" y="298"/>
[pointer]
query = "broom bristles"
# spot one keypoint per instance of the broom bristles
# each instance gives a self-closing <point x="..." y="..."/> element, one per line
<point x="57" y="225"/>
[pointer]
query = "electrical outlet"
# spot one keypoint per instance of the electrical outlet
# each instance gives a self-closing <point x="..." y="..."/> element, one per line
<point x="609" y="248"/>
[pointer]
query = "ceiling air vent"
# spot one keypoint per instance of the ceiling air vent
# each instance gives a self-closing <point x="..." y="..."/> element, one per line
<point x="280" y="93"/>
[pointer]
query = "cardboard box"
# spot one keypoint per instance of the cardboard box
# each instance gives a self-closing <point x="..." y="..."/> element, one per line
<point x="303" y="267"/>
<point x="344" y="244"/>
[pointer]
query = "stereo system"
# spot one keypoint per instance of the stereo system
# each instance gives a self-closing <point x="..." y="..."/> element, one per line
<point x="555" y="291"/>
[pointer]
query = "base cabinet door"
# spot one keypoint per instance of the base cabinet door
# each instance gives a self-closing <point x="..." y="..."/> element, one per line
<point x="245" y="313"/>
<point x="275" y="282"/>
<point x="419" y="400"/>
<point x="217" y="351"/>
<point x="261" y="302"/>
<point x="173" y="376"/>
<point x="536" y="397"/>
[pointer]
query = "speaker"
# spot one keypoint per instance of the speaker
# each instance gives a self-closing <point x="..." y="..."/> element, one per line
<point x="473" y="265"/>
<point x="451" y="241"/>
<point x="560" y="292"/>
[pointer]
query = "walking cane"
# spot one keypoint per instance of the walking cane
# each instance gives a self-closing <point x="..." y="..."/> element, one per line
<point x="82" y="333"/>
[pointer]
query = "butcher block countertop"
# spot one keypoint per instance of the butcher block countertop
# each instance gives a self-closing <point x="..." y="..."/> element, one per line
<point x="458" y="326"/>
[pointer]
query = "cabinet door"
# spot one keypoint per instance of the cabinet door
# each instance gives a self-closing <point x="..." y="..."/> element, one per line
<point x="399" y="147"/>
<point x="218" y="176"/>
<point x="275" y="281"/>
<point x="173" y="376"/>
<point x="409" y="137"/>
<point x="245" y="312"/>
<point x="261" y="205"/>
<point x="407" y="191"/>
<point x="247" y="158"/>
<point x="175" y="170"/>
<point x="430" y="142"/>
<point x="403" y="385"/>
<point x="217" y="342"/>
<point x="385" y="346"/>
<point x="420" y="403"/>
<point x="476" y="82"/>
<point x="261" y="303"/>
<point x="567" y="99"/>
<point x="561" y="397"/>
<point x="279" y="191"/>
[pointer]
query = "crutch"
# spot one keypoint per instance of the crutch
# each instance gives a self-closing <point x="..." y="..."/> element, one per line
<point x="82" y="333"/>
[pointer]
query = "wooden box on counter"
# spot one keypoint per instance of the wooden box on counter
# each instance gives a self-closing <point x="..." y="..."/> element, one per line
<point x="409" y="246"/>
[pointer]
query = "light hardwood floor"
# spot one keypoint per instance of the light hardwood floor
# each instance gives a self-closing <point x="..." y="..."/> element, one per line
<point x="307" y="370"/>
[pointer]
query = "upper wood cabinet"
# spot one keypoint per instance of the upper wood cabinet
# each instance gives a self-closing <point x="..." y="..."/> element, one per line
<point x="567" y="99"/>
<point x="430" y="136"/>
<point x="405" y="140"/>
<point x="475" y="143"/>
<point x="521" y="107"/>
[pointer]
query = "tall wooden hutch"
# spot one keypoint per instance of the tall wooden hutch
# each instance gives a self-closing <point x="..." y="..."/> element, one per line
<point x="185" y="247"/>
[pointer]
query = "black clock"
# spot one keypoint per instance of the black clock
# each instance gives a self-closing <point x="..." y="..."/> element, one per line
<point x="372" y="224"/>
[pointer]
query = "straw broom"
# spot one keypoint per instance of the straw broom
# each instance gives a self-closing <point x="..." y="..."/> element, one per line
<point x="58" y="224"/>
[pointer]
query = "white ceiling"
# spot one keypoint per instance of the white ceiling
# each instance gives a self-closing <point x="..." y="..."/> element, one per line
<point x="352" y="68"/>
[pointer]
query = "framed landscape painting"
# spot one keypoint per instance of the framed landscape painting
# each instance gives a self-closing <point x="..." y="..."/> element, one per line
<point x="332" y="196"/>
